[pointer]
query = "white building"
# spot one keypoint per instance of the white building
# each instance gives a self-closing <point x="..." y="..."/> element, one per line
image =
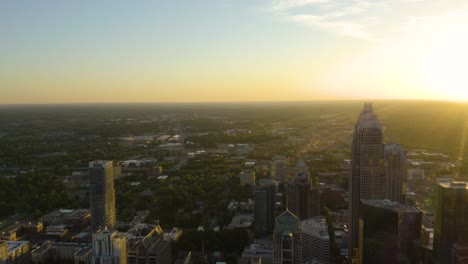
<point x="109" y="247"/>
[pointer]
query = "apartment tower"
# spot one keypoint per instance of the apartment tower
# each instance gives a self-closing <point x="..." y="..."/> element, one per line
<point x="102" y="195"/>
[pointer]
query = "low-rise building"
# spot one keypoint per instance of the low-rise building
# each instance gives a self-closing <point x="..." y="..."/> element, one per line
<point x="71" y="217"/>
<point x="3" y="251"/>
<point x="146" y="244"/>
<point x="18" y="252"/>
<point x="247" y="177"/>
<point x="262" y="249"/>
<point x="56" y="231"/>
<point x="62" y="252"/>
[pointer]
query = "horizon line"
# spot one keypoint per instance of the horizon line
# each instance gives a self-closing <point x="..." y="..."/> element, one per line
<point x="237" y="102"/>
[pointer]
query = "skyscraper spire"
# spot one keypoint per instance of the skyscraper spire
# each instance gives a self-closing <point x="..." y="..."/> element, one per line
<point x="367" y="168"/>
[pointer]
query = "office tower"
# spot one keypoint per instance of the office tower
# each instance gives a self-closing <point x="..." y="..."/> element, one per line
<point x="146" y="244"/>
<point x="102" y="195"/>
<point x="280" y="170"/>
<point x="301" y="167"/>
<point x="287" y="247"/>
<point x="396" y="170"/>
<point x="451" y="218"/>
<point x="367" y="175"/>
<point x="389" y="232"/>
<point x="301" y="198"/>
<point x="109" y="247"/>
<point x="264" y="210"/>
<point x="316" y="241"/>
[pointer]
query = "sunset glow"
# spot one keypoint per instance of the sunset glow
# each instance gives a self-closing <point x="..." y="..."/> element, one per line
<point x="262" y="50"/>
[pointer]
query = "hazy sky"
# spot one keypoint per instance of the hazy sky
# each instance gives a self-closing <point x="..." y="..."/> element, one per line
<point x="232" y="50"/>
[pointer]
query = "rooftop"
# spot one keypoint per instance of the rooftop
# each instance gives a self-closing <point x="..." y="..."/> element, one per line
<point x="454" y="185"/>
<point x="367" y="118"/>
<point x="287" y="221"/>
<point x="100" y="164"/>
<point x="316" y="226"/>
<point x="15" y="245"/>
<point x="389" y="205"/>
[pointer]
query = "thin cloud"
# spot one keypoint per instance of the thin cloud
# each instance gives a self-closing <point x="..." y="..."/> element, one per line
<point x="360" y="18"/>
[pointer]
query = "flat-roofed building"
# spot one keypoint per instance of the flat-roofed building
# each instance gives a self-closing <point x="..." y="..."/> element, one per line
<point x="451" y="218"/>
<point x="59" y="252"/>
<point x="146" y="245"/>
<point x="19" y="252"/>
<point x="315" y="240"/>
<point x="264" y="209"/>
<point x="109" y="246"/>
<point x="69" y="217"/>
<point x="389" y="232"/>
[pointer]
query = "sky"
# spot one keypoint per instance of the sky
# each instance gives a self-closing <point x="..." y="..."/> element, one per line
<point x="232" y="50"/>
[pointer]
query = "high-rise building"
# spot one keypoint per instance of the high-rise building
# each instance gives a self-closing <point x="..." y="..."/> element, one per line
<point x="389" y="232"/>
<point x="287" y="247"/>
<point x="396" y="171"/>
<point x="301" y="167"/>
<point x="367" y="169"/>
<point x="316" y="240"/>
<point x="146" y="245"/>
<point x="264" y="210"/>
<point x="280" y="169"/>
<point x="302" y="198"/>
<point x="109" y="247"/>
<point x="102" y="195"/>
<point x="451" y="219"/>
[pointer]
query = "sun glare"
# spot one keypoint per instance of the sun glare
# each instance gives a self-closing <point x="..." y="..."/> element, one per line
<point x="445" y="63"/>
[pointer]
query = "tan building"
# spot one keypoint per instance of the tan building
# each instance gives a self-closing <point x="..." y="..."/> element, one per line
<point x="19" y="251"/>
<point x="3" y="251"/>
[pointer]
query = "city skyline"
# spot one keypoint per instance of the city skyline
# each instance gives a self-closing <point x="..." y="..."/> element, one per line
<point x="236" y="51"/>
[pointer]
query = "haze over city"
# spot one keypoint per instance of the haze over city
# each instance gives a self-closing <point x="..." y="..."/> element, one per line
<point x="234" y="132"/>
<point x="216" y="51"/>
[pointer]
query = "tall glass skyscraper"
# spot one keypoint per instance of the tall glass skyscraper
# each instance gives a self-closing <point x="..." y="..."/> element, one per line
<point x="102" y="195"/>
<point x="264" y="211"/>
<point x="367" y="169"/>
<point x="302" y="199"/>
<point x="287" y="248"/>
<point x="451" y="219"/>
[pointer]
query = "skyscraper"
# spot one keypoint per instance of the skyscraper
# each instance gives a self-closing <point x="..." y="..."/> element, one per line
<point x="389" y="232"/>
<point x="264" y="211"/>
<point x="396" y="170"/>
<point x="301" y="198"/>
<point x="367" y="168"/>
<point x="109" y="247"/>
<point x="287" y="247"/>
<point x="280" y="169"/>
<point x="102" y="195"/>
<point x="451" y="219"/>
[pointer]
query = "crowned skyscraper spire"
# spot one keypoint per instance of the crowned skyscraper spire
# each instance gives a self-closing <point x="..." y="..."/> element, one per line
<point x="367" y="168"/>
